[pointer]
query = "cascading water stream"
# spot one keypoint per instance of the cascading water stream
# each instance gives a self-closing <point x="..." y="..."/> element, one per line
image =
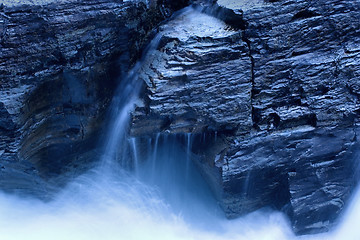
<point x="123" y="103"/>
<point x="135" y="156"/>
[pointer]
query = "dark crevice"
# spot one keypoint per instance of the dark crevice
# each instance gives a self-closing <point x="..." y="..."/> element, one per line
<point x="312" y="120"/>
<point x="166" y="123"/>
<point x="304" y="14"/>
<point x="274" y="119"/>
<point x="256" y="117"/>
<point x="233" y="18"/>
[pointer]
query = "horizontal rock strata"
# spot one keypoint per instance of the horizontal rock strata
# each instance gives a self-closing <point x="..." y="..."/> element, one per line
<point x="59" y="65"/>
<point x="272" y="89"/>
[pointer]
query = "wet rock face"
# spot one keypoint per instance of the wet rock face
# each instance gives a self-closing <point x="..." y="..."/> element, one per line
<point x="59" y="66"/>
<point x="197" y="80"/>
<point x="268" y="89"/>
<point x="302" y="77"/>
<point x="273" y="87"/>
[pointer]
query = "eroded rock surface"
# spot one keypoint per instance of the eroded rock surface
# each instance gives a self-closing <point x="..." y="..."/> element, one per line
<point x="268" y="89"/>
<point x="191" y="83"/>
<point x="59" y="66"/>
<point x="271" y="86"/>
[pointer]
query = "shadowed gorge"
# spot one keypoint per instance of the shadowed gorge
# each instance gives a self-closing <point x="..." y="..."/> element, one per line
<point x="179" y="119"/>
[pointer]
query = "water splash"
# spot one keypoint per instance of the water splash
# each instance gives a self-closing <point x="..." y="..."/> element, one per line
<point x="93" y="208"/>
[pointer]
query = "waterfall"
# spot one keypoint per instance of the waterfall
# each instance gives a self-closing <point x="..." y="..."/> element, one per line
<point x="122" y="104"/>
<point x="163" y="197"/>
<point x="135" y="156"/>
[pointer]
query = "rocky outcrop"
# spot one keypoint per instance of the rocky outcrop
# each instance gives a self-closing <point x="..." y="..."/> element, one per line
<point x="59" y="66"/>
<point x="190" y="82"/>
<point x="269" y="91"/>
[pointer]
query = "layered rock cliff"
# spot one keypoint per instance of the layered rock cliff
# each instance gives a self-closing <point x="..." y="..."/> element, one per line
<point x="59" y="65"/>
<point x="269" y="91"/>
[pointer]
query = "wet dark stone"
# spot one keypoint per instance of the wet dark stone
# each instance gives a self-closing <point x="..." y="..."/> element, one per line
<point x="282" y="100"/>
